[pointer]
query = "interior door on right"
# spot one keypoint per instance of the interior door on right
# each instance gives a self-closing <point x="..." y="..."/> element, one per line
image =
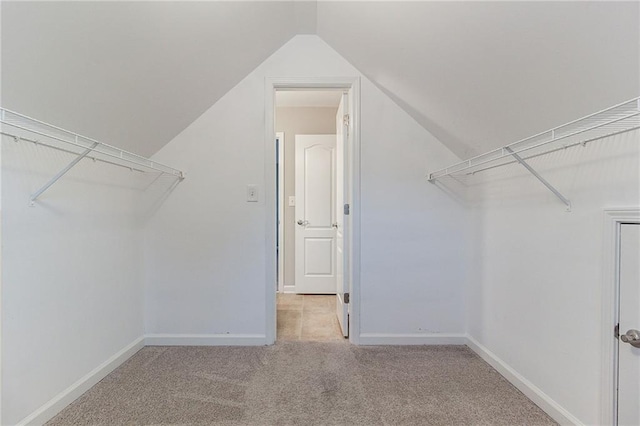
<point x="342" y="191"/>
<point x="629" y="326"/>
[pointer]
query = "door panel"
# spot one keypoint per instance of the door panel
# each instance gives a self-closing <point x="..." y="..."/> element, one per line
<point x="315" y="214"/>
<point x="318" y="257"/>
<point x="318" y="182"/>
<point x="629" y="319"/>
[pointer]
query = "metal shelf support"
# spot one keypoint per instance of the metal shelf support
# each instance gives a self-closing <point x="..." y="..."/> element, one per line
<point x="49" y="131"/>
<point x="90" y="148"/>
<point x="546" y="183"/>
<point x="61" y="173"/>
<point x="617" y="119"/>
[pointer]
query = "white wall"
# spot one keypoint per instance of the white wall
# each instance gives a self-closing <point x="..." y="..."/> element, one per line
<point x="205" y="247"/>
<point x="294" y="121"/>
<point x="71" y="273"/>
<point x="535" y="296"/>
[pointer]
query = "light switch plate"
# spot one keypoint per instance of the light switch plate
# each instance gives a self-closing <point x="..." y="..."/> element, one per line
<point x="252" y="193"/>
<point x="292" y="200"/>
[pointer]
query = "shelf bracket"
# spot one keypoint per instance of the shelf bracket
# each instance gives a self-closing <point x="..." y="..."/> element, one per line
<point x="557" y="193"/>
<point x="61" y="173"/>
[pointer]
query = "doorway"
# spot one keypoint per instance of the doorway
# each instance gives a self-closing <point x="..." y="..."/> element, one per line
<point x="315" y="195"/>
<point x="308" y="182"/>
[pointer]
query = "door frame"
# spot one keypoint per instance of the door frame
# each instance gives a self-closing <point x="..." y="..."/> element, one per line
<point x="613" y="219"/>
<point x="281" y="205"/>
<point x="352" y="84"/>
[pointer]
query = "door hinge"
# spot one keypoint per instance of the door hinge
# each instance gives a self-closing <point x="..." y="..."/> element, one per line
<point x="346" y="298"/>
<point x="345" y="120"/>
<point x="346" y="209"/>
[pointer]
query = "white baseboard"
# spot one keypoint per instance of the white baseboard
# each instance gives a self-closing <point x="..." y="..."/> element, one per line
<point x="534" y="393"/>
<point x="47" y="411"/>
<point x="205" y="339"/>
<point x="289" y="289"/>
<point x="411" y="339"/>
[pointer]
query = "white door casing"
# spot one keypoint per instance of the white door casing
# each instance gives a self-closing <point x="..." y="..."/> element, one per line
<point x="342" y="197"/>
<point x="315" y="236"/>
<point x="281" y="207"/>
<point x="628" y="412"/>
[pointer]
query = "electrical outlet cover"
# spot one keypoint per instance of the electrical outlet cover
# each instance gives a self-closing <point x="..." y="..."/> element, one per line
<point x="252" y="193"/>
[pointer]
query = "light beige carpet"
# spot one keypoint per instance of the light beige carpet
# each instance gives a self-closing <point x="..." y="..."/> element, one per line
<point x="304" y="383"/>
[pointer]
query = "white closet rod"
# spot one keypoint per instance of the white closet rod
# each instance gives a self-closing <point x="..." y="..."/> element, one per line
<point x="17" y="139"/>
<point x="90" y="146"/>
<point x="614" y="120"/>
<point x="30" y="124"/>
<point x="620" y="113"/>
<point x="583" y="143"/>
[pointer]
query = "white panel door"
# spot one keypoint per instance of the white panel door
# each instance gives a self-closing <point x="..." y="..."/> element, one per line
<point x="315" y="214"/>
<point x="342" y="191"/>
<point x="629" y="327"/>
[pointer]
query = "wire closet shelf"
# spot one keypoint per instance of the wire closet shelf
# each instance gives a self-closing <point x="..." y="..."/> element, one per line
<point x="72" y="143"/>
<point x="614" y="120"/>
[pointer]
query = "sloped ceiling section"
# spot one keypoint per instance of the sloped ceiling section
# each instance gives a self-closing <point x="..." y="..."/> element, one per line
<point x="480" y="75"/>
<point x="477" y="75"/>
<point x="135" y="74"/>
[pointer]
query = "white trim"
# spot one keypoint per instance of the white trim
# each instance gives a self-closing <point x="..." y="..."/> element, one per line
<point x="271" y="84"/>
<point x="354" y="243"/>
<point x="269" y="201"/>
<point x="613" y="218"/>
<point x="205" y="339"/>
<point x="280" y="138"/>
<point x="289" y="288"/>
<point x="73" y="392"/>
<point x="412" y="339"/>
<point x="1" y="313"/>
<point x="541" y="399"/>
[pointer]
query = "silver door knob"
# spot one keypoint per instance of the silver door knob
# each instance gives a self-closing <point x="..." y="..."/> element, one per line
<point x="303" y="222"/>
<point x="631" y="337"/>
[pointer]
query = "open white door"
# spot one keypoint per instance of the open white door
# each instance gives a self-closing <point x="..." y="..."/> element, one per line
<point x="342" y="191"/>
<point x="315" y="214"/>
<point x="629" y="326"/>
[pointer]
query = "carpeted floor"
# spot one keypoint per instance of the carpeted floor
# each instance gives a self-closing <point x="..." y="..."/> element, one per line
<point x="304" y="383"/>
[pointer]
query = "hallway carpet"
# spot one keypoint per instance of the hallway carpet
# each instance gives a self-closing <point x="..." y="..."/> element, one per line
<point x="304" y="383"/>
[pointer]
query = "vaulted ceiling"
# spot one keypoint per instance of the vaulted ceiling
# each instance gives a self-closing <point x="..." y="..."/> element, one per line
<point x="480" y="75"/>
<point x="475" y="74"/>
<point x="135" y="74"/>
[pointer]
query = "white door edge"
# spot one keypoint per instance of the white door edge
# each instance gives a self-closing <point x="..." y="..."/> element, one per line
<point x="342" y="220"/>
